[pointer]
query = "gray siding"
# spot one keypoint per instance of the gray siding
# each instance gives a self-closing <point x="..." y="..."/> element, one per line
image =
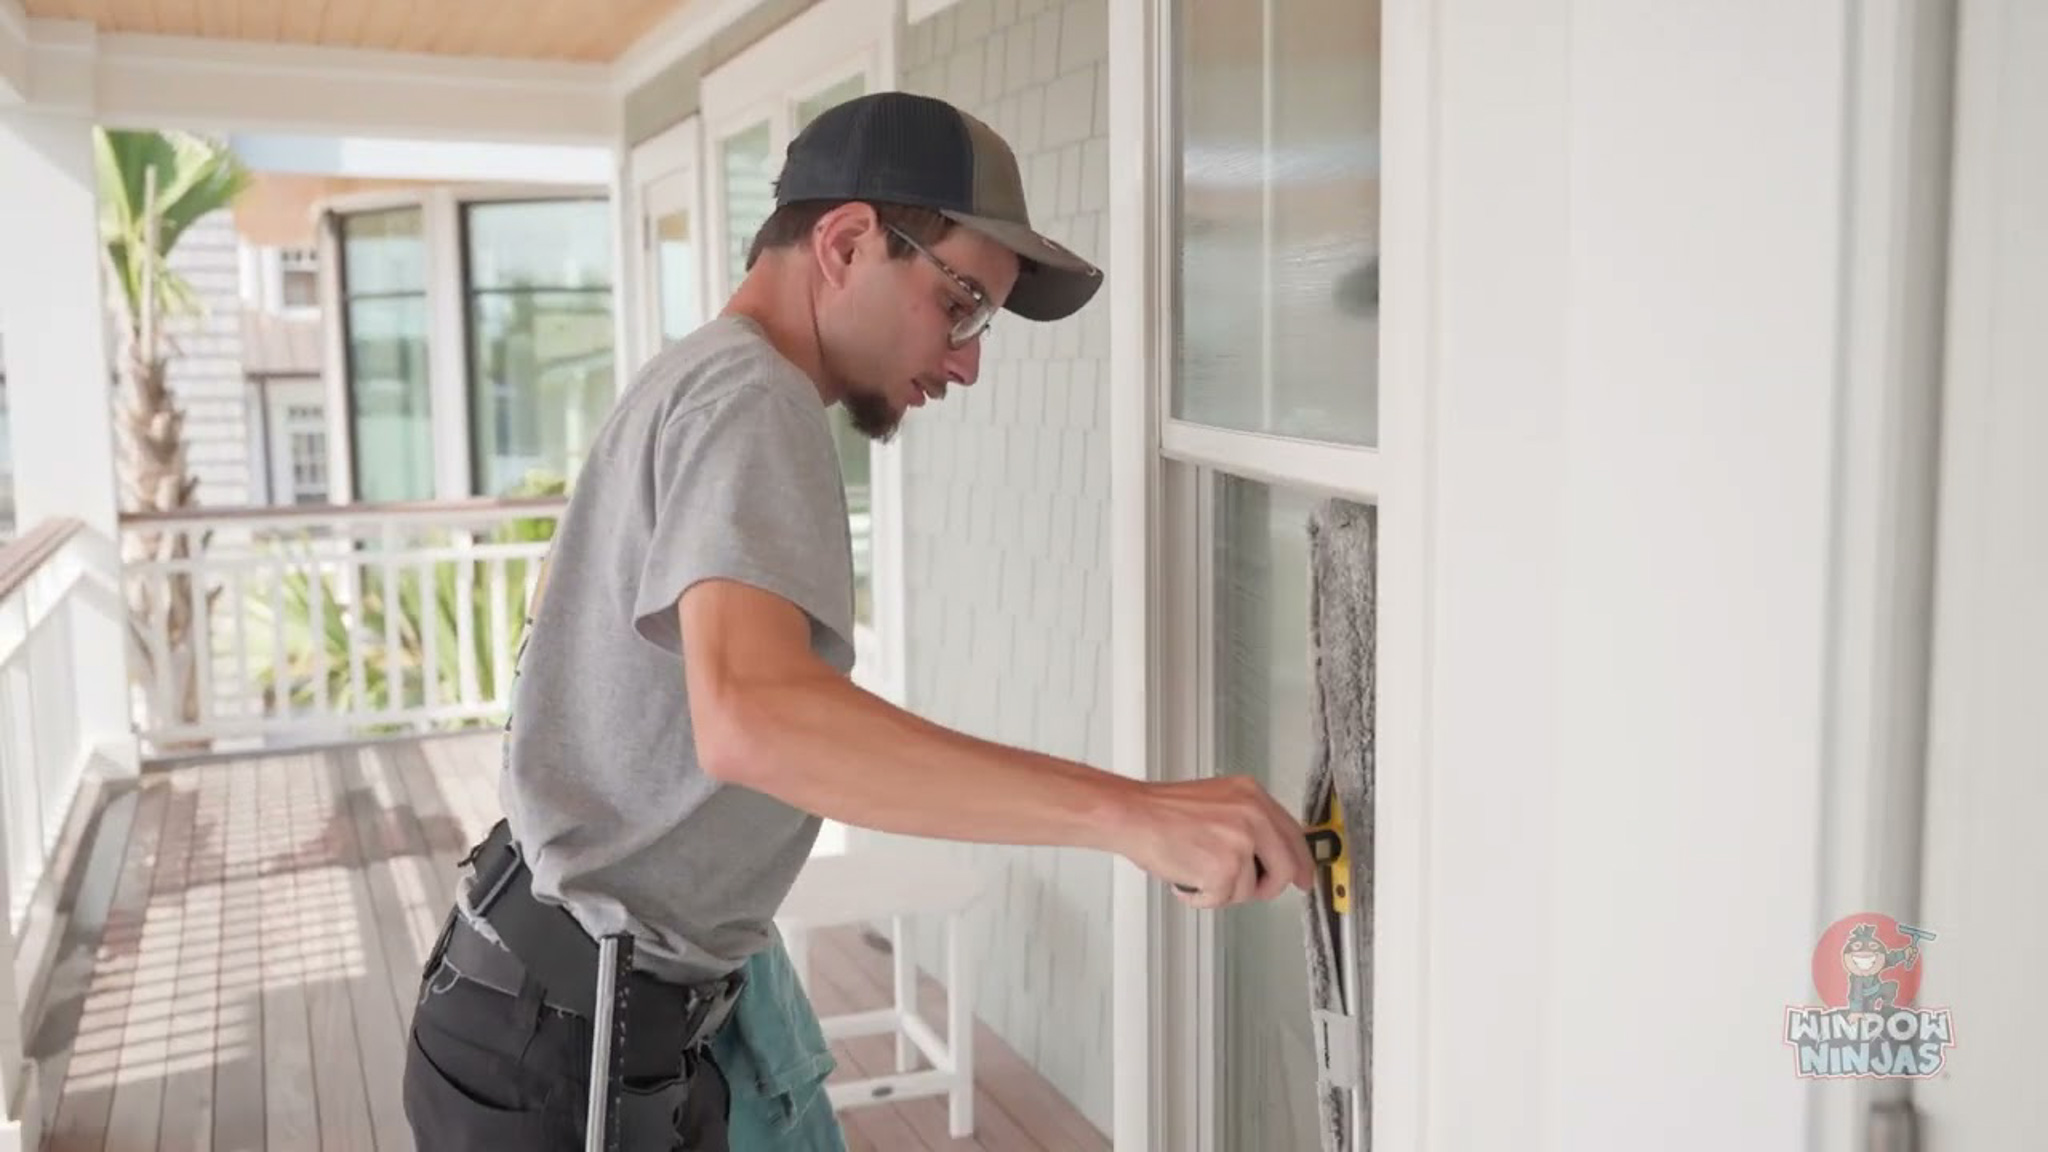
<point x="1007" y="493"/>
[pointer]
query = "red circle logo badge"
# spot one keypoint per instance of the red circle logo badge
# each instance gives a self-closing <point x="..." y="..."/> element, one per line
<point x="1867" y="963"/>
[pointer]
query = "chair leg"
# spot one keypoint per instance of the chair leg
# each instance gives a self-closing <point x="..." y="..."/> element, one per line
<point x="906" y="992"/>
<point x="960" y="1029"/>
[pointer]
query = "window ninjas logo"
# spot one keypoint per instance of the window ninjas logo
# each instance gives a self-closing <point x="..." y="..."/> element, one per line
<point x="1867" y="970"/>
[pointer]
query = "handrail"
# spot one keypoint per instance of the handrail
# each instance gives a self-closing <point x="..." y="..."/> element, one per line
<point x="26" y="553"/>
<point x="331" y="513"/>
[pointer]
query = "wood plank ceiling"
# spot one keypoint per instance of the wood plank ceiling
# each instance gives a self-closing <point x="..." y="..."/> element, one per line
<point x="569" y="30"/>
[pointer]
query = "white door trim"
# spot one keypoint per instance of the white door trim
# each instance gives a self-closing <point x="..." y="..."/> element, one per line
<point x="1895" y="227"/>
<point x="1985" y="745"/>
<point x="662" y="172"/>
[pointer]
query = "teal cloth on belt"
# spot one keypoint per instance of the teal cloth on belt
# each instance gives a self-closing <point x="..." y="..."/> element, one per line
<point x="773" y="1053"/>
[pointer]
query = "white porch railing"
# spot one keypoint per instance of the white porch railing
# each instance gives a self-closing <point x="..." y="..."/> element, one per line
<point x="328" y="623"/>
<point x="48" y="577"/>
<point x="59" y="693"/>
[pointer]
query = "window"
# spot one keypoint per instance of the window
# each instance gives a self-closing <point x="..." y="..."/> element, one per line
<point x="1266" y="211"/>
<point x="306" y="445"/>
<point x="747" y="175"/>
<point x="540" y="323"/>
<point x="479" y="338"/>
<point x="298" y="278"/>
<point x="384" y="287"/>
<point x="1279" y="242"/>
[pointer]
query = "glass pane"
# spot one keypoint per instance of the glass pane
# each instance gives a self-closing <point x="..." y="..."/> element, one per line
<point x="540" y="244"/>
<point x="1279" y="227"/>
<point x="840" y="93"/>
<point x="675" y="261"/>
<point x="387" y="369"/>
<point x="746" y="172"/>
<point x="855" y="457"/>
<point x="543" y="383"/>
<point x="1266" y="1068"/>
<point x="382" y="253"/>
<point x="1221" y="354"/>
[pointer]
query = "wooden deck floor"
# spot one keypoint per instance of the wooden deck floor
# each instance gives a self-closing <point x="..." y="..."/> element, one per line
<point x="253" y="980"/>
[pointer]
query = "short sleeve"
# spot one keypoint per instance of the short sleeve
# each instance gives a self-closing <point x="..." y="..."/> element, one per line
<point x="747" y="488"/>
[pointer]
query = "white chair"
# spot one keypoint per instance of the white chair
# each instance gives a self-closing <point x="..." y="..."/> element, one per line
<point x="892" y="884"/>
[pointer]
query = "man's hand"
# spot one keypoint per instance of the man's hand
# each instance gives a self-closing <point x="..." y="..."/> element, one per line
<point x="1212" y="836"/>
<point x="767" y="714"/>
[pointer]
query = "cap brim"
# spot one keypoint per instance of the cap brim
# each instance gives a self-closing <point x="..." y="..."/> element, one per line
<point x="1054" y="284"/>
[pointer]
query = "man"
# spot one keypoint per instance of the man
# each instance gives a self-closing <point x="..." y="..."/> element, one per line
<point x="683" y="718"/>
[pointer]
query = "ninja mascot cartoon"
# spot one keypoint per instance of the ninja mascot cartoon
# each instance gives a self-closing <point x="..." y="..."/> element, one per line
<point x="1865" y="958"/>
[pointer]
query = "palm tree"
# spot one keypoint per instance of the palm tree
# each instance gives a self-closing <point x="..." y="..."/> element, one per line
<point x="153" y="186"/>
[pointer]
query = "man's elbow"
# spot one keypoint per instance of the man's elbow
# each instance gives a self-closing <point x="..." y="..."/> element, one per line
<point x="732" y="742"/>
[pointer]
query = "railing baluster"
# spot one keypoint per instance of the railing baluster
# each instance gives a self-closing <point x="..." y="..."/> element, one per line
<point x="501" y="640"/>
<point x="151" y="585"/>
<point x="465" y="630"/>
<point x="430" y="635"/>
<point x="394" y="676"/>
<point x="280" y="680"/>
<point x="316" y="599"/>
<point x="24" y="793"/>
<point x="358" y="625"/>
<point x="199" y="635"/>
<point x="238" y="592"/>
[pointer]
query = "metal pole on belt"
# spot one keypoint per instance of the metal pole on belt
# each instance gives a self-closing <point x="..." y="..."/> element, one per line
<point x="607" y="1042"/>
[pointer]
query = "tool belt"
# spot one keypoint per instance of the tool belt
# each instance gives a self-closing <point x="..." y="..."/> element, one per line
<point x="666" y="1019"/>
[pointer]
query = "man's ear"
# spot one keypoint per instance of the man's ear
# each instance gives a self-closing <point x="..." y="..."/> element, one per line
<point x="838" y="240"/>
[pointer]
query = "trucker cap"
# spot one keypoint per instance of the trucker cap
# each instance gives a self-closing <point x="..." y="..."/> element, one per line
<point x="895" y="147"/>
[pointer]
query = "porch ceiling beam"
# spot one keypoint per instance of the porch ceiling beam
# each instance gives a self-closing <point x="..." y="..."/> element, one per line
<point x="146" y="81"/>
<point x="14" y="53"/>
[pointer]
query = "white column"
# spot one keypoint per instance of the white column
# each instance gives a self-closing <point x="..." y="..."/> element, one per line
<point x="59" y="391"/>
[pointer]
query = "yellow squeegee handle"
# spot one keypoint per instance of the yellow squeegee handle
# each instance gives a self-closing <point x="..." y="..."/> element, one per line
<point x="1326" y="844"/>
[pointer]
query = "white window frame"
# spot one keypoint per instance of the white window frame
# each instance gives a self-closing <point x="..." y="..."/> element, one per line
<point x="1163" y="471"/>
<point x="448" y="382"/>
<point x="822" y="46"/>
<point x="663" y="169"/>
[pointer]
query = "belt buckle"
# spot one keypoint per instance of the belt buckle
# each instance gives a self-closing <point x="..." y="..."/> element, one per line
<point x="711" y="1006"/>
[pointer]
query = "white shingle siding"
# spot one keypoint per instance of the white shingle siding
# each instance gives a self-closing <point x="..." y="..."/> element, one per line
<point x="1007" y="495"/>
<point x="206" y="363"/>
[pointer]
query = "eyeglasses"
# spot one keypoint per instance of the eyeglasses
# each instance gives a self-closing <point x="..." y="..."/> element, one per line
<point x="974" y="322"/>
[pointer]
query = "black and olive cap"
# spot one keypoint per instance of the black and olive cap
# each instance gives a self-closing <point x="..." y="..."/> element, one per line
<point x="899" y="148"/>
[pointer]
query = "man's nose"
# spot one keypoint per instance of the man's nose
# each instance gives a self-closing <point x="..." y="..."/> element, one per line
<point x="964" y="363"/>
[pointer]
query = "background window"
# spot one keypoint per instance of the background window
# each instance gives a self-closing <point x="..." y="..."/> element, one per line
<point x="384" y="290"/>
<point x="746" y="172"/>
<point x="540" y="319"/>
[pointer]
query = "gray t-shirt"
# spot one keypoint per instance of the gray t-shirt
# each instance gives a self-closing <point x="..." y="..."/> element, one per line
<point x="717" y="463"/>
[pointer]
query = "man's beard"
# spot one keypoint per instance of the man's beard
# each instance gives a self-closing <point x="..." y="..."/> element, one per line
<point x="871" y="414"/>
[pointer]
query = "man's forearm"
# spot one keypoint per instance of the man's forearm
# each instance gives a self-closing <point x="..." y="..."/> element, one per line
<point x="823" y="744"/>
